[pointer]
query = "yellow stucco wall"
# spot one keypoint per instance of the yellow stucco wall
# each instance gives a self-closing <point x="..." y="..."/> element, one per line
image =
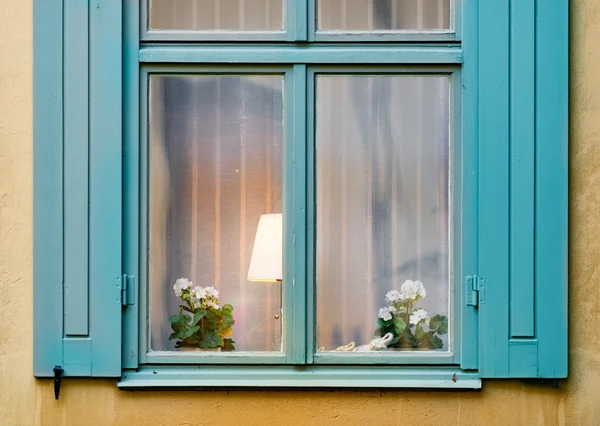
<point x="26" y="401"/>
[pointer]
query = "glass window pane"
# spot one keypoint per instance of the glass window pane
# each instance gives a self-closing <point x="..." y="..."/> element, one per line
<point x="203" y="15"/>
<point x="382" y="164"/>
<point x="215" y="168"/>
<point x="383" y="15"/>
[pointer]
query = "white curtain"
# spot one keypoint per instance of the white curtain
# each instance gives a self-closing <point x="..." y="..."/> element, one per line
<point x="356" y="15"/>
<point x="245" y="15"/>
<point x="377" y="15"/>
<point x="382" y="198"/>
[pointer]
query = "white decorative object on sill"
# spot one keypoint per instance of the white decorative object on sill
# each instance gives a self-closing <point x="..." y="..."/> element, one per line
<point x="378" y="344"/>
<point x="346" y="348"/>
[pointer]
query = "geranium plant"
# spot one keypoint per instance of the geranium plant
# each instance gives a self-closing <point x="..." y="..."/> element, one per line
<point x="201" y="322"/>
<point x="411" y="326"/>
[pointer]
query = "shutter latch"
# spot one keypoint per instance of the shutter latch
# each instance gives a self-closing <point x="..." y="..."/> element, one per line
<point x="127" y="289"/>
<point x="58" y="372"/>
<point x="474" y="285"/>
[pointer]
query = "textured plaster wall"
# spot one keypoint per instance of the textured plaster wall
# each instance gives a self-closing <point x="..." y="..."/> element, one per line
<point x="26" y="401"/>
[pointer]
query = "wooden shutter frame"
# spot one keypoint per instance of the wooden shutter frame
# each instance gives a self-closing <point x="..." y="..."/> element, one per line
<point x="523" y="188"/>
<point x="77" y="187"/>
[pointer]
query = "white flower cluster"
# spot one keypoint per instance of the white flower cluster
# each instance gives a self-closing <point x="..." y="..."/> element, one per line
<point x="386" y="313"/>
<point x="405" y="299"/>
<point x="199" y="297"/>
<point x="181" y="285"/>
<point x="418" y="316"/>
<point x="410" y="291"/>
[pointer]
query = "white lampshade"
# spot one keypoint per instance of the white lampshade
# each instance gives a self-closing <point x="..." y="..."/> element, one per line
<point x="266" y="263"/>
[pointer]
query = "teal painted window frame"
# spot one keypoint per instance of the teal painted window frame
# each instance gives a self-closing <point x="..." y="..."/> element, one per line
<point x="167" y="54"/>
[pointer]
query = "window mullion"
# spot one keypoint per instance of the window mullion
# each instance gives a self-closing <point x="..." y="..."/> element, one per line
<point x="297" y="27"/>
<point x="294" y="274"/>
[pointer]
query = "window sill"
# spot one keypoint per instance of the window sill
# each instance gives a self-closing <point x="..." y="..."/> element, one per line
<point x="300" y="377"/>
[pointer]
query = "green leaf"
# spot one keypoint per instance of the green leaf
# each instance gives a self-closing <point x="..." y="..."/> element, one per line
<point x="382" y="323"/>
<point x="187" y="318"/>
<point x="210" y="320"/>
<point x="395" y="340"/>
<point x="399" y="325"/>
<point x="188" y="332"/>
<point x="192" y="341"/>
<point x="178" y="325"/>
<point x="407" y="338"/>
<point x="173" y="336"/>
<point x="439" y="323"/>
<point x="419" y="333"/>
<point x="227" y="307"/>
<point x="436" y="342"/>
<point x="424" y="340"/>
<point x="174" y="318"/>
<point x="378" y="332"/>
<point x="198" y="316"/>
<point x="228" y="345"/>
<point x="226" y="323"/>
<point x="211" y="340"/>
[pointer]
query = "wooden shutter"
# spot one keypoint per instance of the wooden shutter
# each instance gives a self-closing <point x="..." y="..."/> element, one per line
<point x="77" y="187"/>
<point x="523" y="200"/>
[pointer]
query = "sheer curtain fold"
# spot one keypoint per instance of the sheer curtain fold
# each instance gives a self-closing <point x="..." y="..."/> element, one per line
<point x="216" y="167"/>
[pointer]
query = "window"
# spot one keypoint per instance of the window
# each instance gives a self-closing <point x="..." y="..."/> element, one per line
<point x="301" y="193"/>
<point x="377" y="152"/>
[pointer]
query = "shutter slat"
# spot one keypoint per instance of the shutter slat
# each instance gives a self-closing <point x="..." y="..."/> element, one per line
<point x="105" y="186"/>
<point x="468" y="209"/>
<point x="493" y="185"/>
<point x="552" y="156"/>
<point x="47" y="187"/>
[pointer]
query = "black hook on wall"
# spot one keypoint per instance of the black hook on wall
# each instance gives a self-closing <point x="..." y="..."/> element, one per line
<point x="58" y="372"/>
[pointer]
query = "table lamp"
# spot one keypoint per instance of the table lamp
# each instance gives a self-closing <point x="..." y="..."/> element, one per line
<point x="266" y="263"/>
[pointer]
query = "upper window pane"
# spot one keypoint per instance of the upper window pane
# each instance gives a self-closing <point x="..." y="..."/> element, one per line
<point x="383" y="15"/>
<point x="207" y="15"/>
<point x="215" y="170"/>
<point x="382" y="154"/>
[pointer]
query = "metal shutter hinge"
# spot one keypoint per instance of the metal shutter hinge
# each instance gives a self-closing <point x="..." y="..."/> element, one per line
<point x="127" y="286"/>
<point x="474" y="294"/>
